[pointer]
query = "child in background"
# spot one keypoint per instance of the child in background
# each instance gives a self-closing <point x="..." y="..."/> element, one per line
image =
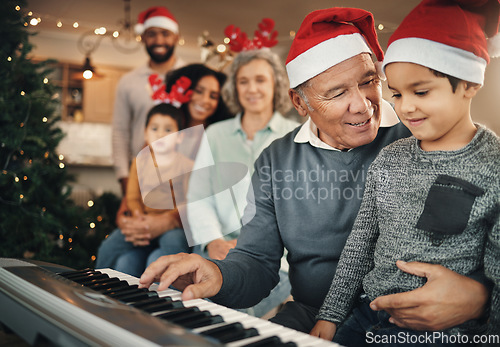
<point x="433" y="197"/>
<point x="157" y="184"/>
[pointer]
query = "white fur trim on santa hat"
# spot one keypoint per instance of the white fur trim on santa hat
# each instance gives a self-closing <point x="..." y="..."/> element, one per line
<point x="323" y="56"/>
<point x="494" y="46"/>
<point x="446" y="59"/>
<point x="158" y="22"/>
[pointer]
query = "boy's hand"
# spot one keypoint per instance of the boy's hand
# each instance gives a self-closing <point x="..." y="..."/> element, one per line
<point x="324" y="329"/>
<point x="446" y="300"/>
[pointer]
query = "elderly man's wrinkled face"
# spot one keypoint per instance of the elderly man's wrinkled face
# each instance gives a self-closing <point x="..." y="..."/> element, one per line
<point x="344" y="102"/>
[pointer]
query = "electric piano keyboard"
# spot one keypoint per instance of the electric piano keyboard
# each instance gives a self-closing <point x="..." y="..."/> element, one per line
<point x="106" y="307"/>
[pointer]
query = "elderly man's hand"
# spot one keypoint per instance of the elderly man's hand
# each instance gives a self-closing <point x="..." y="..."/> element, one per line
<point x="196" y="276"/>
<point x="446" y="300"/>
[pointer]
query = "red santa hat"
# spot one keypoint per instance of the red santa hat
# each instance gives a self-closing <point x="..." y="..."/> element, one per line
<point x="449" y="36"/>
<point x="328" y="37"/>
<point x="156" y="16"/>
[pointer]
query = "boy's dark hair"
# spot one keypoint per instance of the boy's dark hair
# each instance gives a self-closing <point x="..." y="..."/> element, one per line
<point x="195" y="72"/>
<point x="454" y="81"/>
<point x="168" y="110"/>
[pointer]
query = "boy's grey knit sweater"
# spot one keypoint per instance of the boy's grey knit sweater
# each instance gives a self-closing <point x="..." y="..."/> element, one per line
<point x="437" y="207"/>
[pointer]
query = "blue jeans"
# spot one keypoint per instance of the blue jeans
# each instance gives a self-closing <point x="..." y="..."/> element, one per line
<point x="279" y="293"/>
<point x="365" y="327"/>
<point x="116" y="253"/>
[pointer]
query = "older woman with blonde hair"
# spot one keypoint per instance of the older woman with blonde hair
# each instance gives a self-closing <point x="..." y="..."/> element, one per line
<point x="257" y="92"/>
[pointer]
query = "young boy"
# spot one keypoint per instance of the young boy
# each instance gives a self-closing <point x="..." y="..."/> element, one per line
<point x="433" y="197"/>
<point x="158" y="177"/>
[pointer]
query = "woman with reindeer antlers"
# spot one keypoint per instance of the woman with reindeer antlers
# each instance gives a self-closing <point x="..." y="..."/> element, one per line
<point x="256" y="91"/>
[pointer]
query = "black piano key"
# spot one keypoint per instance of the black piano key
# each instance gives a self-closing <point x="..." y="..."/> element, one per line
<point x="149" y="301"/>
<point x="177" y="312"/>
<point x="271" y="341"/>
<point x="202" y="322"/>
<point x="168" y="305"/>
<point x="189" y="316"/>
<point x="137" y="296"/>
<point x="119" y="288"/>
<point x="77" y="276"/>
<point x="74" y="273"/>
<point x="230" y="332"/>
<point x="125" y="292"/>
<point x="108" y="284"/>
<point x="95" y="280"/>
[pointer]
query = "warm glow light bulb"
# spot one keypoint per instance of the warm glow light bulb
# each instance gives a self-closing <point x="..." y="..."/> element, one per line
<point x="59" y="24"/>
<point x="76" y="25"/>
<point x="87" y="74"/>
<point x="221" y="48"/>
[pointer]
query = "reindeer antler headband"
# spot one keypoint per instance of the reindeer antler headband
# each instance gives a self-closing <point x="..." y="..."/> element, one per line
<point x="179" y="94"/>
<point x="264" y="37"/>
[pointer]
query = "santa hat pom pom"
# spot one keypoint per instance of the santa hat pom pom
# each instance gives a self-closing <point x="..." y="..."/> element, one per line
<point x="380" y="70"/>
<point x="494" y="46"/>
<point x="139" y="28"/>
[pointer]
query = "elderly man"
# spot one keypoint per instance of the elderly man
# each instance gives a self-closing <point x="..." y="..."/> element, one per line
<point x="308" y="187"/>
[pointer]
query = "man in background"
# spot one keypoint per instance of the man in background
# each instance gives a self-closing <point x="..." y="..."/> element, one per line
<point x="159" y="32"/>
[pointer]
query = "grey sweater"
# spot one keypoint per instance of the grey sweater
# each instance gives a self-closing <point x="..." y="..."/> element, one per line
<point x="306" y="200"/>
<point x="437" y="207"/>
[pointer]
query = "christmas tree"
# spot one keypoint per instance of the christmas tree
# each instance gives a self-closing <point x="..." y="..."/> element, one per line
<point x="38" y="220"/>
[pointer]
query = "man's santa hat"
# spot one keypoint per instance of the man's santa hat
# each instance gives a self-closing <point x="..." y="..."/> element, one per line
<point x="328" y="37"/>
<point x="449" y="36"/>
<point x="158" y="17"/>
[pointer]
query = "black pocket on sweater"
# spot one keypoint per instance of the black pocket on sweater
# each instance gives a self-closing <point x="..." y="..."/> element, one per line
<point x="448" y="205"/>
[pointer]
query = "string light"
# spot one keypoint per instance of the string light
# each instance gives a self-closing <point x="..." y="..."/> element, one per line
<point x="381" y="27"/>
<point x="9" y="58"/>
<point x="61" y="165"/>
<point x="16" y="179"/>
<point x="18" y="8"/>
<point x="76" y="25"/>
<point x="21" y="196"/>
<point x="92" y="225"/>
<point x="25" y="178"/>
<point x="93" y="258"/>
<point x="23" y="93"/>
<point x="90" y="203"/>
<point x="59" y="24"/>
<point x="45" y="80"/>
<point x="61" y="236"/>
<point x="44" y="119"/>
<point x="61" y="157"/>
